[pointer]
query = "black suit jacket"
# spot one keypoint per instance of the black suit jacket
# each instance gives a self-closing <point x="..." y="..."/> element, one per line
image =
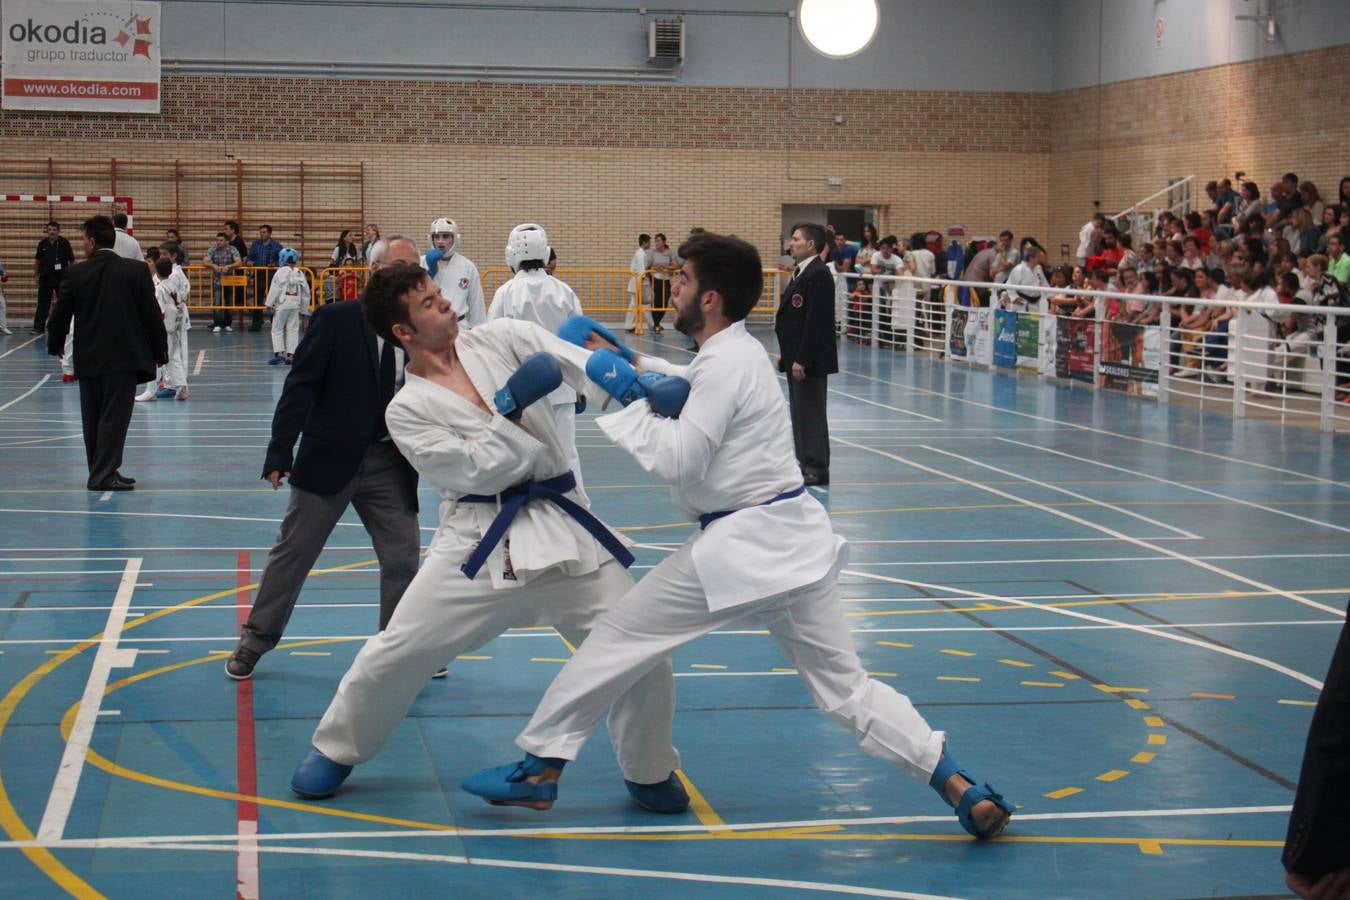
<point x="118" y="325"/>
<point x="1319" y="830"/>
<point x="804" y="323"/>
<point x="332" y="395"/>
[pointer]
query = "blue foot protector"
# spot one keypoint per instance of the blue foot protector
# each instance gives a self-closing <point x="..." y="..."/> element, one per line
<point x="667" y="796"/>
<point x="509" y="785"/>
<point x="317" y="776"/>
<point x="165" y="393"/>
<point x="976" y="793"/>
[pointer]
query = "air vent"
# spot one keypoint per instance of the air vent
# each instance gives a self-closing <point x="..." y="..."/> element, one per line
<point x="665" y="43"/>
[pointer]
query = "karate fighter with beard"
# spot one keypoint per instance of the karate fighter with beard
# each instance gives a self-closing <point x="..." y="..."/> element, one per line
<point x="765" y="551"/>
<point x="533" y="295"/>
<point x="516" y="545"/>
<point x="455" y="273"/>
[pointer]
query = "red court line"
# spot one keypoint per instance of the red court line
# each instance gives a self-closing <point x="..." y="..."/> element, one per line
<point x="246" y="755"/>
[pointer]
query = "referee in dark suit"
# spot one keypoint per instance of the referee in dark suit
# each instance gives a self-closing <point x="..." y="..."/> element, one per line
<point x="119" y="340"/>
<point x="335" y="394"/>
<point x="1317" y="849"/>
<point x="807" y="351"/>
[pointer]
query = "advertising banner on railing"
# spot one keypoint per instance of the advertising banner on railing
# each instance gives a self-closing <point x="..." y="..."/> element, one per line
<point x="80" y="55"/>
<point x="1005" y="338"/>
<point x="1028" y="341"/>
<point x="1129" y="358"/>
<point x="970" y="334"/>
<point x="1076" y="349"/>
<point x="1048" y="344"/>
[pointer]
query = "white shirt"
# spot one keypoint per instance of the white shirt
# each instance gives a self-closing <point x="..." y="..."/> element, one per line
<point x="731" y="449"/>
<point x="127" y="246"/>
<point x="637" y="266"/>
<point x="535" y="296"/>
<point x="289" y="290"/>
<point x="460" y="283"/>
<point x="460" y="449"/>
<point x="1085" y="241"/>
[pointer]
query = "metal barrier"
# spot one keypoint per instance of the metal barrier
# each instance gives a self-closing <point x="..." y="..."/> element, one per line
<point x="244" y="290"/>
<point x="338" y="283"/>
<point x="1245" y="362"/>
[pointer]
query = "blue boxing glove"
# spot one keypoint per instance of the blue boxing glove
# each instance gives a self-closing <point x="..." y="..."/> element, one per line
<point x="665" y="393"/>
<point x="613" y="373"/>
<point x="578" y="328"/>
<point x="537" y="377"/>
<point x="434" y="257"/>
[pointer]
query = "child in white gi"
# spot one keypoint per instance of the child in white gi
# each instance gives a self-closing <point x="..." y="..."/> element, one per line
<point x="288" y="295"/>
<point x="535" y="296"/>
<point x="167" y="298"/>
<point x="765" y="549"/>
<point x="496" y="459"/>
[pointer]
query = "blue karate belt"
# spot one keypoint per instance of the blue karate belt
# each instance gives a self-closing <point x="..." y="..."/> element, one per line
<point x="514" y="498"/>
<point x="708" y="518"/>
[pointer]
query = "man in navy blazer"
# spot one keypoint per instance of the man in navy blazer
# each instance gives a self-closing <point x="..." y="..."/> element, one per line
<point x="119" y="339"/>
<point x="333" y="401"/>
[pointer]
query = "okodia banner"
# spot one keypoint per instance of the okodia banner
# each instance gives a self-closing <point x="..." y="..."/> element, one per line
<point x="80" y="55"/>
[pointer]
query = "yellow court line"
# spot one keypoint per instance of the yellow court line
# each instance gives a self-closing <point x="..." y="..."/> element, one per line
<point x="310" y="653"/>
<point x="894" y="644"/>
<point x="547" y="659"/>
<point x="956" y="678"/>
<point x="884" y="674"/>
<point x="473" y="657"/>
<point x="1113" y="775"/>
<point x="1016" y="662"/>
<point x="1157" y="739"/>
<point x="957" y="652"/>
<point x="1298" y="702"/>
<point x="1132" y="703"/>
<point x="1153" y="721"/>
<point x="705" y="666"/>
<point x="1067" y="676"/>
<point x="1205" y="696"/>
<point x="1043" y="683"/>
<point x="1143" y="757"/>
<point x="1063" y="792"/>
<point x="1114" y="689"/>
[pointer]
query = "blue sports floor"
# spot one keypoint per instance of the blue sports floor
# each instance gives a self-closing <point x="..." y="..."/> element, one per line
<point x="1120" y="612"/>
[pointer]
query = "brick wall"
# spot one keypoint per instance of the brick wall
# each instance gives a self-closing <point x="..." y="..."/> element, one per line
<point x="596" y="164"/>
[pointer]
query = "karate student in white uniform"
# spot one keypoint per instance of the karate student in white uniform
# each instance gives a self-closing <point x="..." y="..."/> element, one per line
<point x="765" y="551"/>
<point x="1029" y="272"/>
<point x="171" y="294"/>
<point x="636" y="268"/>
<point x="467" y="420"/>
<point x="455" y="273"/>
<point x="533" y="295"/>
<point x="287" y="297"/>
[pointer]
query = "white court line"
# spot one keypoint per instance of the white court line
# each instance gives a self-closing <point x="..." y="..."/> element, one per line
<point x="1141" y="629"/>
<point x="247" y="869"/>
<point x="1114" y="434"/>
<point x="1090" y="559"/>
<point x="657" y="874"/>
<point x="886" y="406"/>
<point x="1145" y="545"/>
<point x="1281" y="623"/>
<point x="201" y="359"/>
<point x="108" y="656"/>
<point x="20" y="346"/>
<point x="1180" y="484"/>
<point x="26" y="393"/>
<point x="105" y="496"/>
<point x="62" y="437"/>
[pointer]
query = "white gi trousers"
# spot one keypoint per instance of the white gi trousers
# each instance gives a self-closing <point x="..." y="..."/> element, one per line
<point x="442" y="615"/>
<point x="565" y="415"/>
<point x="285" y="329"/>
<point x="175" y="372"/>
<point x="668" y="609"/>
<point x="1290" y="355"/>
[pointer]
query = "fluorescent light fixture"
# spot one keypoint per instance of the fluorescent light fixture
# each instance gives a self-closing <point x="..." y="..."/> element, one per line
<point x="838" y="28"/>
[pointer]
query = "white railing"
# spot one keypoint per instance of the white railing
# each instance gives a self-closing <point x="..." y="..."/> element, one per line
<point x="1142" y="216"/>
<point x="1246" y="364"/>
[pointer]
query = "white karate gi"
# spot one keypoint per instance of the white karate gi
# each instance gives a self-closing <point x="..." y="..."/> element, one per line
<point x="461" y="284"/>
<point x="127" y="247"/>
<point x="288" y="295"/>
<point x="175" y="372"/>
<point x="637" y="267"/>
<point x="555" y="573"/>
<point x="536" y="296"/>
<point x="777" y="564"/>
<point x="1023" y="274"/>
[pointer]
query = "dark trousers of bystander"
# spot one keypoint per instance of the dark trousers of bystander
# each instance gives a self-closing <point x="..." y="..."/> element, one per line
<point x="660" y="294"/>
<point x="106" y="402"/>
<point x="810" y="430"/>
<point x="46" y="291"/>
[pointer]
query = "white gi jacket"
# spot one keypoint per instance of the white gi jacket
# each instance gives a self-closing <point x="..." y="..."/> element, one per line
<point x="731" y="449"/>
<point x="171" y="304"/>
<point x="637" y="266"/>
<point x="289" y="290"/>
<point x="460" y="449"/>
<point x="1023" y="274"/>
<point x="535" y="296"/>
<point x="461" y="284"/>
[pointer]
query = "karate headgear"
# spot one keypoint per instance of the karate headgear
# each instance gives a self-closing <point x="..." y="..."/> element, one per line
<point x="444" y="225"/>
<point x="287" y="256"/>
<point x="527" y="241"/>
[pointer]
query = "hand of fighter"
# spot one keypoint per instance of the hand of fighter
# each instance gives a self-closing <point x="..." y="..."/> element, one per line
<point x="1331" y="886"/>
<point x="274" y="478"/>
<point x="798" y="372"/>
<point x="584" y="331"/>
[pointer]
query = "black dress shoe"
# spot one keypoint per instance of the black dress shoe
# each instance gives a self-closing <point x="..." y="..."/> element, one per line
<point x="816" y="480"/>
<point x="118" y="476"/>
<point x="114" y="485"/>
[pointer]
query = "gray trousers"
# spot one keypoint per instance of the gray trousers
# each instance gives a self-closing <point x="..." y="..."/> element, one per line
<point x="385" y="498"/>
<point x="810" y="429"/>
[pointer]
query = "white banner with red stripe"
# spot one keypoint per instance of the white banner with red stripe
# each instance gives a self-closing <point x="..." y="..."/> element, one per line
<point x="80" y="55"/>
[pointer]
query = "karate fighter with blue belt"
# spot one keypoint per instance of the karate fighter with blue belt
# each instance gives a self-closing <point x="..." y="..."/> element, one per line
<point x="764" y="551"/>
<point x="516" y="545"/>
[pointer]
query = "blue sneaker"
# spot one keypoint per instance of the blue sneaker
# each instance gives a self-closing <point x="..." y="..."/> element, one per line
<point x="277" y="359"/>
<point x="667" y="796"/>
<point x="508" y="785"/>
<point x="165" y="393"/>
<point x="318" y="777"/>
